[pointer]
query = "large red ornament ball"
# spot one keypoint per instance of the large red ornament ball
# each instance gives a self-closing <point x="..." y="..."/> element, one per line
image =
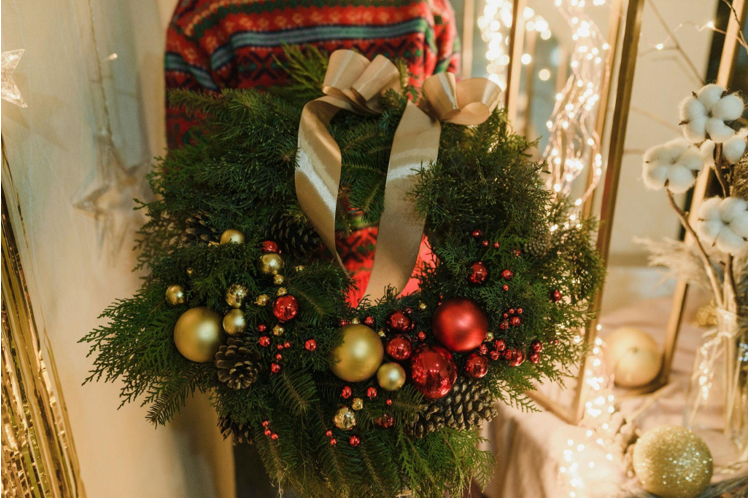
<point x="398" y="321"/>
<point x="476" y="365"/>
<point x="459" y="324"/>
<point x="285" y="308"/>
<point x="399" y="348"/>
<point x="433" y="371"/>
<point x="479" y="273"/>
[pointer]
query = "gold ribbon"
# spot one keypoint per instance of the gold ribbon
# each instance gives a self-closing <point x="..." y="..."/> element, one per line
<point x="354" y="83"/>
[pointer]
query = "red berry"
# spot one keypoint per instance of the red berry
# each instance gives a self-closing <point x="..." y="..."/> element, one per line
<point x="267" y="432"/>
<point x="504" y="325"/>
<point x="264" y="341"/>
<point x="554" y="341"/>
<point x="369" y="321"/>
<point x="485" y="243"/>
<point x="476" y="233"/>
<point x="516" y="252"/>
<point x="344" y="322"/>
<point x="279" y="357"/>
<point x="329" y="433"/>
<point x="384" y="422"/>
<point x="286" y="345"/>
<point x="505" y="287"/>
<point x="346" y="392"/>
<point x="333" y="442"/>
<point x="266" y="423"/>
<point x="310" y="344"/>
<point x="520" y="311"/>
<point x="388" y="401"/>
<point x="496" y="245"/>
<point x="515" y="321"/>
<point x="279" y="347"/>
<point x="556" y="296"/>
<point x="274" y="436"/>
<point x="483" y="349"/>
<point x="421" y="335"/>
<point x="269" y="246"/>
<point x="537" y="346"/>
<point x="371" y="392"/>
<point x="262" y="327"/>
<point x="507" y="274"/>
<point x="508" y="354"/>
<point x="275" y="368"/>
<point x="494" y="355"/>
<point x="500" y="345"/>
<point x="535" y="358"/>
<point x="479" y="273"/>
<point x="354" y="441"/>
<point x="511" y="311"/>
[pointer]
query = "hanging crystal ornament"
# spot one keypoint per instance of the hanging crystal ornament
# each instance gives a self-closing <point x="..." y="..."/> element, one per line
<point x="10" y="91"/>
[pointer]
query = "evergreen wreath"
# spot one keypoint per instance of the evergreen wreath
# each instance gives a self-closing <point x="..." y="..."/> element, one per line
<point x="271" y="382"/>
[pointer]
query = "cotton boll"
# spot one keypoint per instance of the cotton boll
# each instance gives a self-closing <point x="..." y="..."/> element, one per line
<point x="707" y="151"/>
<point x="723" y="223"/>
<point x="734" y="147"/>
<point x="709" y="209"/>
<point x="691" y="159"/>
<point x="729" y="108"/>
<point x="691" y="108"/>
<point x="680" y="180"/>
<point x="654" y="175"/>
<point x="729" y="242"/>
<point x="709" y="95"/>
<point x="740" y="225"/>
<point x="695" y="129"/>
<point x="731" y="207"/>
<point x="718" y="130"/>
<point x="708" y="231"/>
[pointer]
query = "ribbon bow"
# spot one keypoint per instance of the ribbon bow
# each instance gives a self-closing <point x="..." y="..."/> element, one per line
<point x="354" y="83"/>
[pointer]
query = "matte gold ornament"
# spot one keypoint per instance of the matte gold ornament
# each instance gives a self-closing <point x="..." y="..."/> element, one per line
<point x="633" y="357"/>
<point x="391" y="376"/>
<point x="278" y="279"/>
<point x="232" y="236"/>
<point x="235" y="294"/>
<point x="344" y="419"/>
<point x="282" y="291"/>
<point x="262" y="300"/>
<point x="198" y="334"/>
<point x="672" y="462"/>
<point x="234" y="322"/>
<point x="360" y="354"/>
<point x="175" y="295"/>
<point x="357" y="404"/>
<point x="278" y="330"/>
<point x="270" y="263"/>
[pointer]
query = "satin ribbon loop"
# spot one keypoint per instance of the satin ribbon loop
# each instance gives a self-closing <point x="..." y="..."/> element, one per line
<point x="468" y="102"/>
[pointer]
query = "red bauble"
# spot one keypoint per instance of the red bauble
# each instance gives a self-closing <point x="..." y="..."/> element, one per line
<point x="500" y="345"/>
<point x="433" y="371"/>
<point x="262" y="327"/>
<point x="483" y="349"/>
<point x="459" y="324"/>
<point x="371" y="392"/>
<point x="333" y="441"/>
<point x="421" y="335"/>
<point x="556" y="296"/>
<point x="476" y="365"/>
<point x="354" y="441"/>
<point x="516" y="358"/>
<point x="535" y="358"/>
<point x="515" y="321"/>
<point x="275" y="368"/>
<point x="398" y="321"/>
<point x="494" y="355"/>
<point x="479" y="273"/>
<point x="384" y="422"/>
<point x="264" y="341"/>
<point x="507" y="274"/>
<point x="269" y="246"/>
<point x="399" y="348"/>
<point x="369" y="321"/>
<point x="346" y="392"/>
<point x="537" y="346"/>
<point x="285" y="308"/>
<point x="310" y="345"/>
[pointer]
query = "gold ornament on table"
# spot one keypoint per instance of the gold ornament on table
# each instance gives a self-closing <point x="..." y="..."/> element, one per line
<point x="345" y="419"/>
<point x="235" y="295"/>
<point x="633" y="357"/>
<point x="672" y="462"/>
<point x="234" y="322"/>
<point x="175" y="295"/>
<point x="270" y="263"/>
<point x="232" y="236"/>
<point x="391" y="376"/>
<point x="360" y="354"/>
<point x="357" y="404"/>
<point x="198" y="334"/>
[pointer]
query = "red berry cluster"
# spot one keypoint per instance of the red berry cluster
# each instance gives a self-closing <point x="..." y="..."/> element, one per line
<point x="269" y="433"/>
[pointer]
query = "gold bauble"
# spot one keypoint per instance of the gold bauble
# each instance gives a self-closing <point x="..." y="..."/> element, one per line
<point x="357" y="404"/>
<point x="262" y="300"/>
<point x="270" y="263"/>
<point x="175" y="295"/>
<point x="278" y="330"/>
<point x="235" y="294"/>
<point x="391" y="376"/>
<point x="232" y="236"/>
<point x="281" y="291"/>
<point x="359" y="356"/>
<point x="198" y="334"/>
<point x="633" y="357"/>
<point x="234" y="322"/>
<point x="189" y="271"/>
<point x="672" y="462"/>
<point x="278" y="279"/>
<point x="344" y="419"/>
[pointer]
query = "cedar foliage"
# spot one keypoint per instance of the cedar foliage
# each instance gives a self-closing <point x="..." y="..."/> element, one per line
<point x="241" y="174"/>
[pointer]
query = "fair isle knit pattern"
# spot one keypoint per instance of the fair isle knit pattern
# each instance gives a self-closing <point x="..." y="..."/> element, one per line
<point x="216" y="44"/>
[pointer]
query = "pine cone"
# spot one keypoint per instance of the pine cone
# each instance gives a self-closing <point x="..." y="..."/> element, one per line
<point x="239" y="433"/>
<point x="293" y="237"/>
<point x="540" y="242"/>
<point x="198" y="229"/>
<point x="466" y="406"/>
<point x="236" y="364"/>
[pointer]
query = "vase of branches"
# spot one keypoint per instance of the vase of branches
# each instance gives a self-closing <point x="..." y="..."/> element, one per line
<point x="714" y="252"/>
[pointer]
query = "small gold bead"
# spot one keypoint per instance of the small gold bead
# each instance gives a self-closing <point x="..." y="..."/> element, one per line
<point x="281" y="291"/>
<point x="278" y="330"/>
<point x="175" y="295"/>
<point x="262" y="300"/>
<point x="189" y="271"/>
<point x="423" y="306"/>
<point x="278" y="279"/>
<point x="299" y="268"/>
<point x="355" y="321"/>
<point x="357" y="404"/>
<point x="489" y="336"/>
<point x="381" y="333"/>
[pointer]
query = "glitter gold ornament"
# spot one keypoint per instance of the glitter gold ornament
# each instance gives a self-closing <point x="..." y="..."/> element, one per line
<point x="344" y="419"/>
<point x="262" y="300"/>
<point x="198" y="334"/>
<point x="234" y="322"/>
<point x="672" y="462"/>
<point x="357" y="404"/>
<point x="235" y="294"/>
<point x="278" y="279"/>
<point x="232" y="236"/>
<point x="270" y="263"/>
<point x="278" y="330"/>
<point x="391" y="376"/>
<point x="175" y="295"/>
<point x="359" y="356"/>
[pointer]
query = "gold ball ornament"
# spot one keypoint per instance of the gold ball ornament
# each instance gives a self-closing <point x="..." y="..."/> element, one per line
<point x="278" y="330"/>
<point x="360" y="354"/>
<point x="235" y="295"/>
<point x="391" y="376"/>
<point x="262" y="300"/>
<point x="175" y="295"/>
<point x="232" y="236"/>
<point x="270" y="263"/>
<point x="281" y="291"/>
<point x="672" y="462"/>
<point x="633" y="356"/>
<point x="234" y="322"/>
<point x="278" y="279"/>
<point x="344" y="419"/>
<point x="198" y="334"/>
<point x="357" y="404"/>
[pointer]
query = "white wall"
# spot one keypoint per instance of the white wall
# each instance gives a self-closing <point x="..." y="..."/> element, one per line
<point x="77" y="265"/>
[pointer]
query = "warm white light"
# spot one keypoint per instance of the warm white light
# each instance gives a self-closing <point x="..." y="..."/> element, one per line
<point x="544" y="74"/>
<point x="525" y="59"/>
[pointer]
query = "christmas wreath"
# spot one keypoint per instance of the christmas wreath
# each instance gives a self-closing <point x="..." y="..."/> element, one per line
<point x="378" y="397"/>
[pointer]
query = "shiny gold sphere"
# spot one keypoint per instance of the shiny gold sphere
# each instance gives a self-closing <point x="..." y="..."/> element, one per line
<point x="391" y="376"/>
<point x="344" y="419"/>
<point x="278" y="279"/>
<point x="232" y="236"/>
<point x="198" y="334"/>
<point x="234" y="322"/>
<point x="175" y="295"/>
<point x="672" y="462"/>
<point x="262" y="300"/>
<point x="281" y="291"/>
<point x="357" y="404"/>
<point x="278" y="330"/>
<point x="235" y="294"/>
<point x="360" y="354"/>
<point x="270" y="263"/>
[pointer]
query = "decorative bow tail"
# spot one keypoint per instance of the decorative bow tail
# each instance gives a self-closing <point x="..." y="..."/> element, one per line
<point x="354" y="83"/>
